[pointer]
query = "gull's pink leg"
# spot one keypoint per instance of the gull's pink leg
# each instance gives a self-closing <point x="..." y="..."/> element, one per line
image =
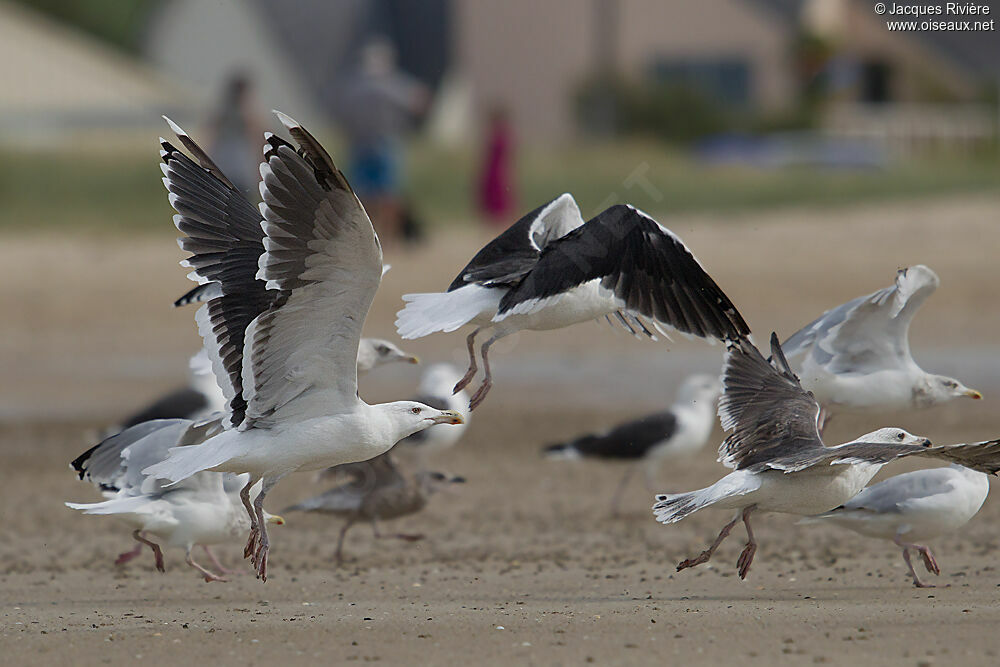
<point x="339" y="553"/>
<point x="707" y="553"/>
<point x="929" y="562"/>
<point x="207" y="574"/>
<point x="913" y="573"/>
<point x="484" y="388"/>
<point x="620" y="489"/>
<point x="263" y="543"/>
<point x="470" y="342"/>
<point x="746" y="556"/>
<point x="217" y="563"/>
<point x="254" y="525"/>
<point x="129" y="555"/>
<point x="157" y="554"/>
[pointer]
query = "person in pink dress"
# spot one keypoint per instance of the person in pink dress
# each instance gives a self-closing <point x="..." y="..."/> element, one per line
<point x="496" y="186"/>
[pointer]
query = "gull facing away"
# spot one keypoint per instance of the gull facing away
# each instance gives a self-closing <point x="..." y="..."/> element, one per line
<point x="378" y="491"/>
<point x="203" y="396"/>
<point x="550" y="270"/>
<point x="283" y="335"/>
<point x="204" y="509"/>
<point x="857" y="355"/>
<point x="781" y="463"/>
<point x="648" y="441"/>
<point x="912" y="508"/>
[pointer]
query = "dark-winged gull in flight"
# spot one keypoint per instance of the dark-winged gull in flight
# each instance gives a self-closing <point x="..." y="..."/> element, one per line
<point x="551" y="269"/>
<point x="856" y="357"/>
<point x="378" y="490"/>
<point x="283" y="335"/>
<point x="652" y="439"/>
<point x="781" y="463"/>
<point x="204" y="509"/>
<point x="914" y="507"/>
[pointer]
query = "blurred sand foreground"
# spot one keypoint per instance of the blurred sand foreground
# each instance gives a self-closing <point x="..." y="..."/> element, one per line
<point x="523" y="564"/>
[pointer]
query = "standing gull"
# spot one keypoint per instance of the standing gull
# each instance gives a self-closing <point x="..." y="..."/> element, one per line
<point x="912" y="508"/>
<point x="649" y="440"/>
<point x="283" y="335"/>
<point x="550" y="270"/>
<point x="378" y="491"/>
<point x="857" y="355"/>
<point x="204" y="509"/>
<point x="781" y="463"/>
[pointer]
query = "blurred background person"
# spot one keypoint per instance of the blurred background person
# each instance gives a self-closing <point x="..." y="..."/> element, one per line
<point x="497" y="200"/>
<point x="236" y="132"/>
<point x="379" y="102"/>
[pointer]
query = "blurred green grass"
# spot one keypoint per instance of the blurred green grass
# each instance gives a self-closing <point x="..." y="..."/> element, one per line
<point x="118" y="192"/>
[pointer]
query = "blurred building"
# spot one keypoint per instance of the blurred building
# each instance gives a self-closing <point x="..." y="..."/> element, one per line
<point x="61" y="83"/>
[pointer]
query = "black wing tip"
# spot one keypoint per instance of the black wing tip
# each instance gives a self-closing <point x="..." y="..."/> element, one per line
<point x="79" y="464"/>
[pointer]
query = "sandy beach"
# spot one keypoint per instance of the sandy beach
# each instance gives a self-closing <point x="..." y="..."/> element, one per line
<point x="524" y="564"/>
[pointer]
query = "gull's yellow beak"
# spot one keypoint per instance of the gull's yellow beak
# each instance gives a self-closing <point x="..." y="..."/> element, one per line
<point x="413" y="359"/>
<point x="449" y="417"/>
<point x="276" y="520"/>
<point x="972" y="393"/>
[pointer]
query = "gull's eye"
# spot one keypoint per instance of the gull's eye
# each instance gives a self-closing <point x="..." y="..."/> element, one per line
<point x="900" y="435"/>
<point x="415" y="411"/>
<point x="382" y="349"/>
<point x="950" y="384"/>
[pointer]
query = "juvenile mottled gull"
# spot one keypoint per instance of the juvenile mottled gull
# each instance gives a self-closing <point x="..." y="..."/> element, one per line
<point x="550" y="270"/>
<point x="378" y="491"/>
<point x="856" y="357"/>
<point x="781" y="463"/>
<point x="283" y="335"/>
<point x="648" y="441"/>
<point x="204" y="509"/>
<point x="911" y="508"/>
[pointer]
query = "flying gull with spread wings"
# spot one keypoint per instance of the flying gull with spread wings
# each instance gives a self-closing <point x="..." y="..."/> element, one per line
<point x="551" y="269"/>
<point x="856" y="357"/>
<point x="283" y="334"/>
<point x="781" y="463"/>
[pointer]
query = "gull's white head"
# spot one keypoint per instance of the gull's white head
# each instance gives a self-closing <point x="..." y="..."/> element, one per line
<point x="894" y="436"/>
<point x="409" y="417"/>
<point x="941" y="388"/>
<point x="700" y="388"/>
<point x="374" y="352"/>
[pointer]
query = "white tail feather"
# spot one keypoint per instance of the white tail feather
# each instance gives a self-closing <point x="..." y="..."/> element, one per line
<point x="428" y="313"/>
<point x="670" y="508"/>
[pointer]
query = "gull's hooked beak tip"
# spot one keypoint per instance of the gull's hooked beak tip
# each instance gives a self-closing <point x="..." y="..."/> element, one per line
<point x="413" y="359"/>
<point x="973" y="394"/>
<point x="449" y="417"/>
<point x="276" y="520"/>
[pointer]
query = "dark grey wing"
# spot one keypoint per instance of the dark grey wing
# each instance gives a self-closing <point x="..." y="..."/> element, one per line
<point x="982" y="456"/>
<point x="630" y="440"/>
<point x="182" y="403"/>
<point x="222" y="231"/>
<point x="507" y="258"/>
<point x="648" y="270"/>
<point x="769" y="413"/>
